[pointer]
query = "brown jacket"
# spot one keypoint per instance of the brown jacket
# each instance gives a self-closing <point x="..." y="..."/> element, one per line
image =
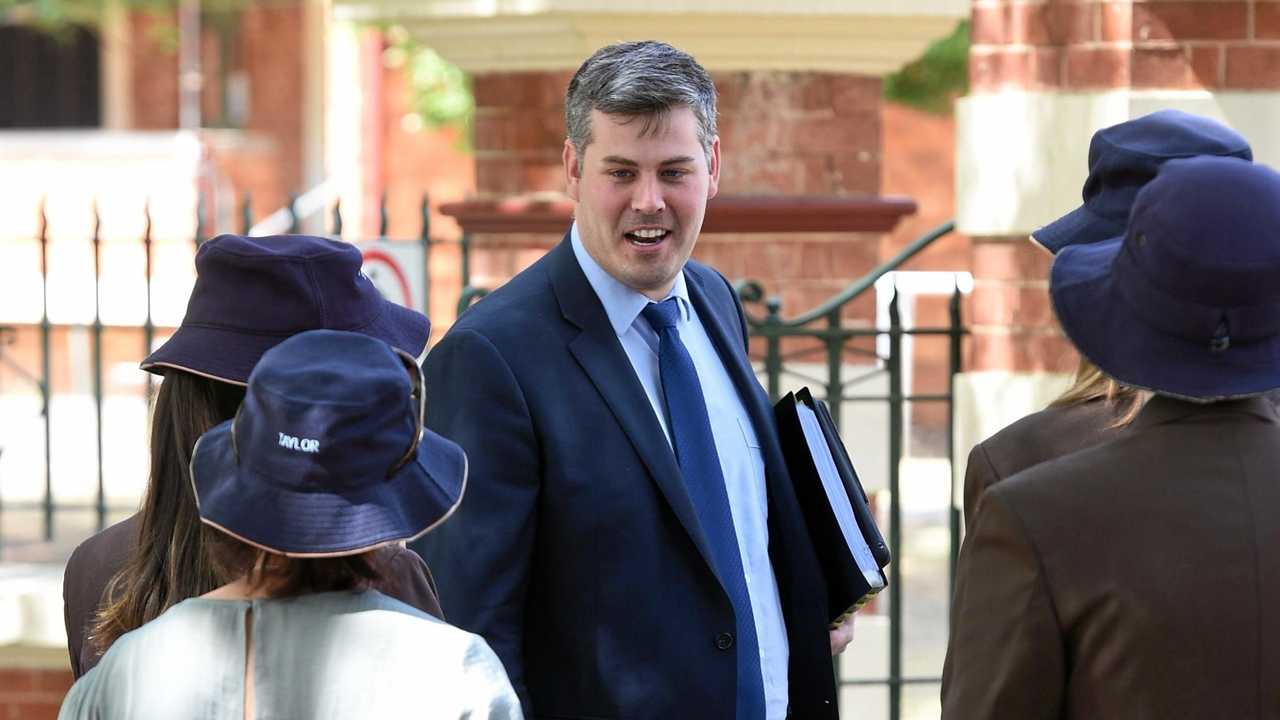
<point x="98" y="559"/>
<point x="1036" y="438"/>
<point x="1136" y="579"/>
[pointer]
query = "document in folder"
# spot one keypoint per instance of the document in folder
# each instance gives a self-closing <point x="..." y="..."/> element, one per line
<point x="852" y="485"/>
<point x="848" y="544"/>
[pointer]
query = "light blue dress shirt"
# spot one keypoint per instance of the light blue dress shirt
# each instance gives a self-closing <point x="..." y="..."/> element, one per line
<point x="741" y="457"/>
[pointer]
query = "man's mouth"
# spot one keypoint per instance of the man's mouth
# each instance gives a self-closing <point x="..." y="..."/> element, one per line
<point x="647" y="236"/>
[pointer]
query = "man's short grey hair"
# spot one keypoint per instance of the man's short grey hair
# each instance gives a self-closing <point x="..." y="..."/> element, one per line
<point x="640" y="80"/>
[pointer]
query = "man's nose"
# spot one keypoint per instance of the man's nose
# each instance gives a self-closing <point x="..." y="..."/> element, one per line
<point x="647" y="197"/>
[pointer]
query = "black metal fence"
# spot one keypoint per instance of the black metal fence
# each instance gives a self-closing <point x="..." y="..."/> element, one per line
<point x="834" y="343"/>
<point x="821" y="336"/>
<point x="41" y="376"/>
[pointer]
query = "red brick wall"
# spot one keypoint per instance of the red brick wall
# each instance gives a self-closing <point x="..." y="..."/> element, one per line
<point x="519" y="131"/>
<point x="153" y="71"/>
<point x="432" y="161"/>
<point x="32" y="694"/>
<point x="271" y="38"/>
<point x="1010" y="310"/>
<point x="799" y="134"/>
<point x="1227" y="44"/>
<point x="791" y="133"/>
<point x="919" y="161"/>
<point x="251" y="164"/>
<point x="781" y="133"/>
<point x="268" y="165"/>
<point x="1084" y="46"/>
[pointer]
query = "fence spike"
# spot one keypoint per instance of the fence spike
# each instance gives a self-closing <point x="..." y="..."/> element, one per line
<point x="46" y="373"/>
<point x="100" y="502"/>
<point x="201" y="219"/>
<point x="773" y="305"/>
<point x="246" y="213"/>
<point x="337" y="217"/>
<point x="294" y="221"/>
<point x="382" y="215"/>
<point x="426" y="218"/>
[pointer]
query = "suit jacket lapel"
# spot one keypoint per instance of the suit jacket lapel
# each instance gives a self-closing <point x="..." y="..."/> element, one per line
<point x="597" y="350"/>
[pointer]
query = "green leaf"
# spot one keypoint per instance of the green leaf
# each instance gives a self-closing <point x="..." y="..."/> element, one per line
<point x="932" y="81"/>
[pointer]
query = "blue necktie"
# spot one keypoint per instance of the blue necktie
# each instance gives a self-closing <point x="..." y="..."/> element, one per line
<point x="695" y="449"/>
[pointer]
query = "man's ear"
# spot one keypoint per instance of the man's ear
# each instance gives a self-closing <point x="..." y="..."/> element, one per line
<point x="714" y="185"/>
<point x="572" y="175"/>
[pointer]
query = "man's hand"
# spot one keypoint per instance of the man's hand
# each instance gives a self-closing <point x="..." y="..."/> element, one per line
<point x="842" y="635"/>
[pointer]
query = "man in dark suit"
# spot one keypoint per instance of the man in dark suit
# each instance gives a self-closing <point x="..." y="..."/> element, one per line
<point x="1141" y="578"/>
<point x="630" y="544"/>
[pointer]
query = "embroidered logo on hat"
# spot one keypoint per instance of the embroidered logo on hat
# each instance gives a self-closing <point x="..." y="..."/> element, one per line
<point x="301" y="469"/>
<point x="306" y="445"/>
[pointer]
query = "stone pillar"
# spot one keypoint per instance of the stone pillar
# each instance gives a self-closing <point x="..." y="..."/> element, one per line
<point x="1044" y="76"/>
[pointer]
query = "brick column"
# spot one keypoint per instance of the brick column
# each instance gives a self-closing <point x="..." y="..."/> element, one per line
<point x="790" y="133"/>
<point x="1044" y="76"/>
<point x="35" y="692"/>
<point x="799" y="133"/>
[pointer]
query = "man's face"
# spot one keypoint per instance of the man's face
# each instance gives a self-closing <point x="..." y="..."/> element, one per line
<point x="641" y="199"/>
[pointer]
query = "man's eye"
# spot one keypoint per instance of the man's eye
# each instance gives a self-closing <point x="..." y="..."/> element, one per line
<point x="620" y="174"/>
<point x="674" y="174"/>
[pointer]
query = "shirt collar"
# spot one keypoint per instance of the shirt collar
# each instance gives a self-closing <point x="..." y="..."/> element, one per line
<point x="621" y="304"/>
<point x="1162" y="409"/>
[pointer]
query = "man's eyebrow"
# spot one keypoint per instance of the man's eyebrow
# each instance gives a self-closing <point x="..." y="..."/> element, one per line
<point x="618" y="160"/>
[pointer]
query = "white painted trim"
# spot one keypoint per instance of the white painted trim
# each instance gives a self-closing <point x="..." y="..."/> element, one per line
<point x="1022" y="157"/>
<point x="344" y="112"/>
<point x="554" y="35"/>
<point x="116" y="83"/>
<point x="310" y="206"/>
<point x="315" y="14"/>
<point x="909" y="285"/>
<point x="31" y="616"/>
<point x="443" y="9"/>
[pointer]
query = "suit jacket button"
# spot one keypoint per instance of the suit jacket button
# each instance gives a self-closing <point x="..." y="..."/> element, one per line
<point x="724" y="641"/>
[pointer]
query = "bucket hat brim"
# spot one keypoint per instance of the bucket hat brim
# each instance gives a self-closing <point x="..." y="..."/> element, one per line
<point x="1100" y="321"/>
<point x="268" y="514"/>
<point x="1078" y="227"/>
<point x="229" y="354"/>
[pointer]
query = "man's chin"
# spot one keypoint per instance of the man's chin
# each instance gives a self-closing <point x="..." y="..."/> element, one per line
<point x="651" y="283"/>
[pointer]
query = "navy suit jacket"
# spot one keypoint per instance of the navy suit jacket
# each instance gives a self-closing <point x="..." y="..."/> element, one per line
<point x="576" y="551"/>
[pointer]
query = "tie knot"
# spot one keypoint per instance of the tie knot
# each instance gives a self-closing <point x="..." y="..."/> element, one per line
<point x="662" y="315"/>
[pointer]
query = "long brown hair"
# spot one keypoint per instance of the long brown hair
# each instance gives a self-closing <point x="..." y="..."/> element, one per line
<point x="169" y="562"/>
<point x="281" y="576"/>
<point x="1091" y="384"/>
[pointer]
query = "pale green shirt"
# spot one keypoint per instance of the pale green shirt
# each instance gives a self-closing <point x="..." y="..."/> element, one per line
<point x="326" y="655"/>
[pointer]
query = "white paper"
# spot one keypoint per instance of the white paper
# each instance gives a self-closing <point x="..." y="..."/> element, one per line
<point x="837" y="497"/>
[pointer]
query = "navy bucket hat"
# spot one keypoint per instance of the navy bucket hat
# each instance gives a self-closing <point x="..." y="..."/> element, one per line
<point x="253" y="292"/>
<point x="1125" y="157"/>
<point x="1187" y="302"/>
<point x="328" y="454"/>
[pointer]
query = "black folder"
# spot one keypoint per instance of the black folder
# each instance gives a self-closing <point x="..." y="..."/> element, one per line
<point x="850" y="548"/>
